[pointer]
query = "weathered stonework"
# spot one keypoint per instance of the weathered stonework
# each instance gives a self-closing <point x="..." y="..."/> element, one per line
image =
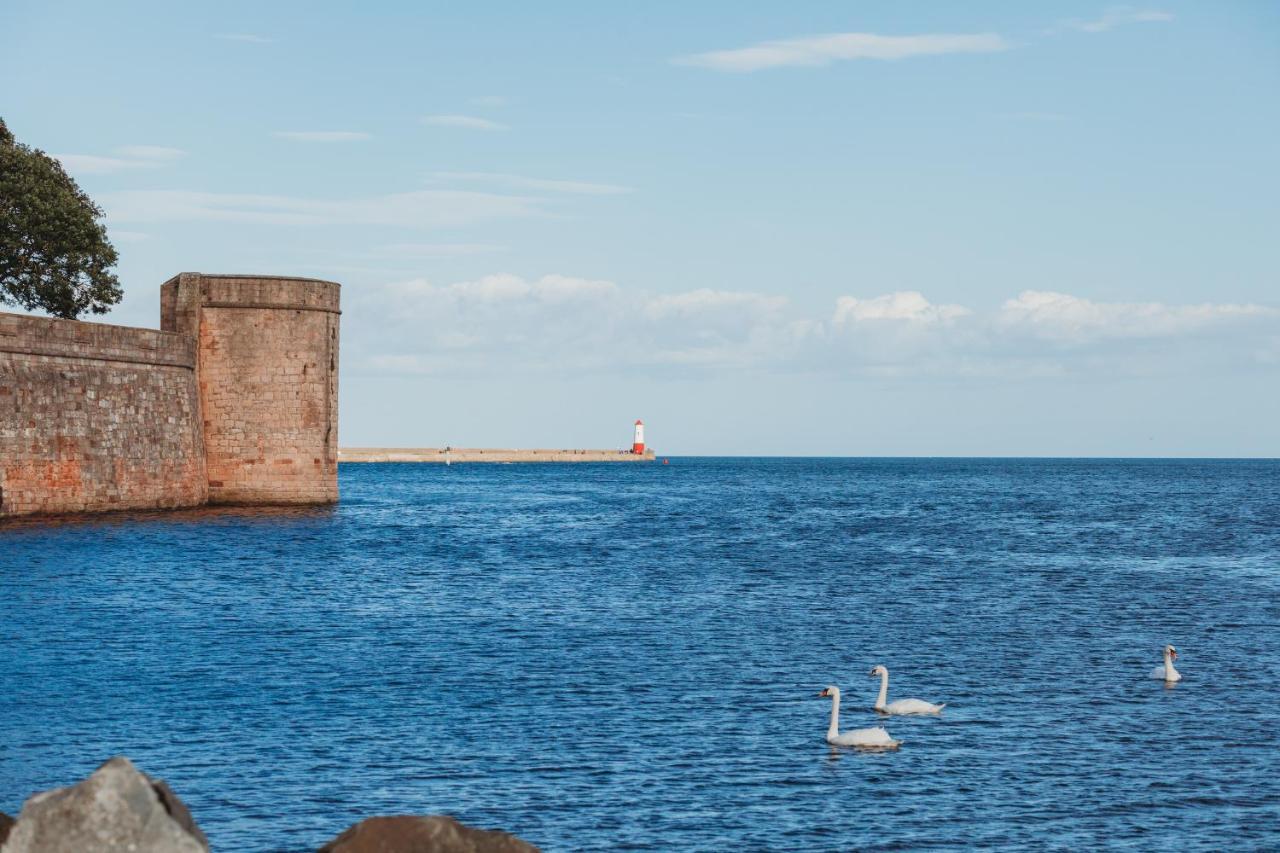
<point x="268" y="366"/>
<point x="234" y="401"/>
<point x="96" y="417"/>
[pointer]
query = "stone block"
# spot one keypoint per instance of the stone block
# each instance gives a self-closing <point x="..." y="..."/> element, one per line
<point x="115" y="808"/>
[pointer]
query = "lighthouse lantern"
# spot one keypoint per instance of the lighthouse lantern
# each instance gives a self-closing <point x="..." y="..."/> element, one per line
<point x="637" y="446"/>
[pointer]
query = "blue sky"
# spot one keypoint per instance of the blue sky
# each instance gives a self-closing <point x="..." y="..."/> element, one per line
<point x="856" y="229"/>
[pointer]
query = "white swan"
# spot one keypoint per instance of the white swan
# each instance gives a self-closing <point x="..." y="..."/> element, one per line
<point x="1166" y="672"/>
<point x="902" y="706"/>
<point x="876" y="738"/>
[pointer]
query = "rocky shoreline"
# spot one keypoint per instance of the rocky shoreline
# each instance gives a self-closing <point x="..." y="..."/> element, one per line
<point x="119" y="808"/>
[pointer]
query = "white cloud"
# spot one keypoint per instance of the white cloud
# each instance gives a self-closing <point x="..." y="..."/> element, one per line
<point x="537" y="184"/>
<point x="505" y="322"/>
<point x="321" y="135"/>
<point x="825" y="49"/>
<point x="422" y="209"/>
<point x="1071" y="319"/>
<point x="492" y="288"/>
<point x="129" y="157"/>
<point x="567" y="322"/>
<point x="489" y="101"/>
<point x="909" y="306"/>
<point x="90" y="164"/>
<point x="249" y="38"/>
<point x="561" y="288"/>
<point x="505" y="287"/>
<point x="1117" y="16"/>
<point x="468" y="122"/>
<point x="706" y="301"/>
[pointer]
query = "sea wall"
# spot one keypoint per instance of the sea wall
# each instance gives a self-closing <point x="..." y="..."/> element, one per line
<point x="233" y="400"/>
<point x="268" y="365"/>
<point x="475" y="454"/>
<point x="97" y="417"/>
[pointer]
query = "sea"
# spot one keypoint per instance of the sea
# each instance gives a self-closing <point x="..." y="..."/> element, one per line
<point x="629" y="656"/>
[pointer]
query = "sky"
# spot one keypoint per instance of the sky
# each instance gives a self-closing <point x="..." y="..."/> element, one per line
<point x="862" y="229"/>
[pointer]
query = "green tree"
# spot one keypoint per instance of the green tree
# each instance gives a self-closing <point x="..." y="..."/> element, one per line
<point x="54" y="253"/>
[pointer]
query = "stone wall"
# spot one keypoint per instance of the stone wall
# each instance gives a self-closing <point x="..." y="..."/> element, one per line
<point x="235" y="400"/>
<point x="97" y="417"/>
<point x="268" y="365"/>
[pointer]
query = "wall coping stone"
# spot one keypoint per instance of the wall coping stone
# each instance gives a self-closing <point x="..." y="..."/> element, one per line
<point x="75" y="339"/>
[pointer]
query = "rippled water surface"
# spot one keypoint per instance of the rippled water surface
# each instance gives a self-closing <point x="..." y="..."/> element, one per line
<point x="617" y="655"/>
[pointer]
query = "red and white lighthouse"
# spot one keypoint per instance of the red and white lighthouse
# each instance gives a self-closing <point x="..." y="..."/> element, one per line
<point x="637" y="446"/>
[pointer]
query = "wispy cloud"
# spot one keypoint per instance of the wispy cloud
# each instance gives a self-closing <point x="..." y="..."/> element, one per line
<point x="249" y="38"/>
<point x="1071" y="319"/>
<point x="129" y="157"/>
<point x="489" y="101"/>
<point x="1117" y="16"/>
<point x="321" y="135"/>
<point x="467" y="122"/>
<point x="834" y="47"/>
<point x="151" y="153"/>
<point x="92" y="164"/>
<point x="428" y="251"/>
<point x="558" y="321"/>
<point x="704" y="301"/>
<point x="909" y="305"/>
<point x="423" y="209"/>
<point x="536" y="184"/>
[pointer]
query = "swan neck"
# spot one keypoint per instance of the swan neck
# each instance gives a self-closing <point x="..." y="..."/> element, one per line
<point x="1170" y="674"/>
<point x="834" y="729"/>
<point x="884" y="690"/>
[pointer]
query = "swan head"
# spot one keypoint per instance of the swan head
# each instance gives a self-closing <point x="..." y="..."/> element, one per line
<point x="830" y="690"/>
<point x="1170" y="652"/>
<point x="879" y="670"/>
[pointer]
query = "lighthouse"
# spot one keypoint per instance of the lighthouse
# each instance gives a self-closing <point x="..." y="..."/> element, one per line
<point x="637" y="446"/>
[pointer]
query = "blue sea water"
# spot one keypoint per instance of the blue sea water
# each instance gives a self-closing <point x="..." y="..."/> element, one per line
<point x="628" y="656"/>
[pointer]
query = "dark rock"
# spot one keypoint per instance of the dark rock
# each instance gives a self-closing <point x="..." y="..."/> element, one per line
<point x="116" y="808"/>
<point x="435" y="834"/>
<point x="6" y="824"/>
<point x="178" y="810"/>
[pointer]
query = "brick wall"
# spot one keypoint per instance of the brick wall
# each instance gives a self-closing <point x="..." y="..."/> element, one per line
<point x="97" y="417"/>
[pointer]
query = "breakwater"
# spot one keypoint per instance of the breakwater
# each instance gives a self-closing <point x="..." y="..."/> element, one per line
<point x="442" y="455"/>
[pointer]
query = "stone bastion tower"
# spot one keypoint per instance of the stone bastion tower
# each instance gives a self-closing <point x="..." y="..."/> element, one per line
<point x="267" y="376"/>
<point x="234" y="400"/>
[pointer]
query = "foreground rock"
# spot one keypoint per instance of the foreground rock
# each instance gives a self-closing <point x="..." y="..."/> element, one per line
<point x="6" y="824"/>
<point x="116" y="808"/>
<point x="436" y="834"/>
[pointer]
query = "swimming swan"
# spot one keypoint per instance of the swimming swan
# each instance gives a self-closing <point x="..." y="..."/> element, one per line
<point x="876" y="738"/>
<point x="902" y="706"/>
<point x="1166" y="672"/>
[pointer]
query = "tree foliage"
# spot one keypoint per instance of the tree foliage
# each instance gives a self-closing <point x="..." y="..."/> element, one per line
<point x="54" y="253"/>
